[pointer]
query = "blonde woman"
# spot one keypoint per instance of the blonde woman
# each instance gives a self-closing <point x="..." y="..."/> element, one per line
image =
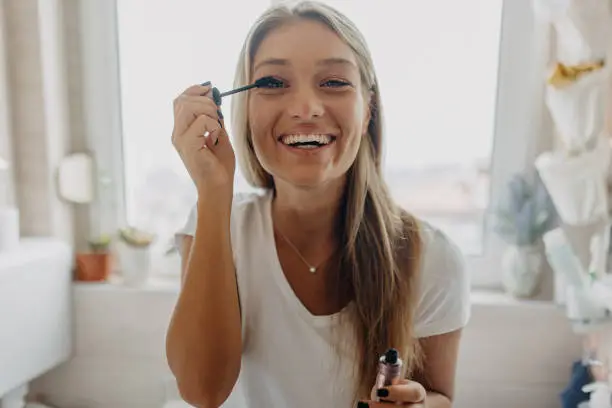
<point x="298" y="290"/>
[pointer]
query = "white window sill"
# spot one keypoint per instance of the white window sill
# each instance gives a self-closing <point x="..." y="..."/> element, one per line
<point x="115" y="284"/>
<point x="498" y="298"/>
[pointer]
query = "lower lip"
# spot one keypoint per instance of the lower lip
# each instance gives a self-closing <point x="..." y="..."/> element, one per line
<point x="307" y="152"/>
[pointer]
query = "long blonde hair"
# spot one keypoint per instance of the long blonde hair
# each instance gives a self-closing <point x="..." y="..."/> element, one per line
<point x="381" y="256"/>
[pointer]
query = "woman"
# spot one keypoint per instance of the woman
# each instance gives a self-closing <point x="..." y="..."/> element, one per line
<point x="301" y="288"/>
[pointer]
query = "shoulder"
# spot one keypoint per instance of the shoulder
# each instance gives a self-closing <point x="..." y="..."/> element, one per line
<point x="249" y="208"/>
<point x="444" y="289"/>
<point x="441" y="257"/>
<point x="248" y="199"/>
<point x="243" y="205"/>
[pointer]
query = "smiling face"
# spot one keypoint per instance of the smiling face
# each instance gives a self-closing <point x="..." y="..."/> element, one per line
<point x="308" y="124"/>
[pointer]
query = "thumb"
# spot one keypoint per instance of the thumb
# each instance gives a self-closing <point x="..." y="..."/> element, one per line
<point x="221" y="139"/>
<point x="222" y="147"/>
<point x="216" y="96"/>
<point x="222" y="143"/>
<point x="221" y="117"/>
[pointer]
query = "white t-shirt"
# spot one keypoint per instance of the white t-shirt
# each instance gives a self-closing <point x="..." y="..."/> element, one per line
<point x="289" y="357"/>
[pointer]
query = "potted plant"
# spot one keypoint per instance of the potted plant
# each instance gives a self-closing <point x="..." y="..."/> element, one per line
<point x="95" y="265"/>
<point x="525" y="213"/>
<point x="134" y="251"/>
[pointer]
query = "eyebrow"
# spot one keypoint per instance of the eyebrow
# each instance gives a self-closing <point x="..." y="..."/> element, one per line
<point x="285" y="62"/>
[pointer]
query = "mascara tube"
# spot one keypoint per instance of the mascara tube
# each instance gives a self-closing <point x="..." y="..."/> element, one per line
<point x="389" y="371"/>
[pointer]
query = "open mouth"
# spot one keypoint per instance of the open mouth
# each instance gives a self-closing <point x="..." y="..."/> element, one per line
<point x="307" y="141"/>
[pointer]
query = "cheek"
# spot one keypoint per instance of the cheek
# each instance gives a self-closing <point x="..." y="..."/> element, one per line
<point x="261" y="126"/>
<point x="260" y="122"/>
<point x="353" y="123"/>
<point x="352" y="115"/>
<point x="351" y="147"/>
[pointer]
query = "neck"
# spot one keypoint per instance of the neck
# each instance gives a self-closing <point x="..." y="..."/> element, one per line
<point x="307" y="216"/>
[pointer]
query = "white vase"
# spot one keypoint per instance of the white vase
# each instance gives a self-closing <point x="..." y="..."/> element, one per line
<point x="134" y="264"/>
<point x="522" y="270"/>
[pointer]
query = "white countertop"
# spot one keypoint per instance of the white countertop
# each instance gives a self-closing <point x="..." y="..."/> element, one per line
<point x="33" y="250"/>
<point x="35" y="310"/>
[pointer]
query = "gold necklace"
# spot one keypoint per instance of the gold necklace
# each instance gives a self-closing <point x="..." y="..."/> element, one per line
<point x="311" y="268"/>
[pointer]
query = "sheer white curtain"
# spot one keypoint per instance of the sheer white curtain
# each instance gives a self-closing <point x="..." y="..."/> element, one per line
<point x="166" y="46"/>
<point x="577" y="173"/>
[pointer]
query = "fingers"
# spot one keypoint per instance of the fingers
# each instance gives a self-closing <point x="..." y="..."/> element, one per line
<point x="204" y="127"/>
<point x="198" y="90"/>
<point x="187" y="107"/>
<point x="221" y="117"/>
<point x="216" y="95"/>
<point x="197" y="105"/>
<point x="198" y="121"/>
<point x="406" y="392"/>
<point x="373" y="404"/>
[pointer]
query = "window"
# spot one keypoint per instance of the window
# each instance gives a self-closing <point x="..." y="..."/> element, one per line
<point x="437" y="64"/>
<point x="164" y="47"/>
<point x="459" y="114"/>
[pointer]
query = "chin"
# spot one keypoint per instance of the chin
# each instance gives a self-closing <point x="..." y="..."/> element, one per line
<point x="309" y="179"/>
<point x="305" y="182"/>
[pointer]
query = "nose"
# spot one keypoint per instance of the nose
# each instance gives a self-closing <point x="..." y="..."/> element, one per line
<point x="305" y="104"/>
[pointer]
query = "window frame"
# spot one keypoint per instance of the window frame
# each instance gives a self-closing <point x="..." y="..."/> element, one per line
<point x="102" y="113"/>
<point x="519" y="125"/>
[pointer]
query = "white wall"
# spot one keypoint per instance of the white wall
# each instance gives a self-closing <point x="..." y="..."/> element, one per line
<point x="33" y="82"/>
<point x="514" y="354"/>
<point x="6" y="147"/>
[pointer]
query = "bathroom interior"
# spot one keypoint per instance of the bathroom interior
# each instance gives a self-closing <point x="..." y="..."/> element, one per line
<point x="513" y="102"/>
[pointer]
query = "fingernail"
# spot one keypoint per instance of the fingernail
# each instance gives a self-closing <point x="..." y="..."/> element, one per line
<point x="220" y="114"/>
<point x="205" y="83"/>
<point x="382" y="392"/>
<point x="216" y="96"/>
<point x="362" y="404"/>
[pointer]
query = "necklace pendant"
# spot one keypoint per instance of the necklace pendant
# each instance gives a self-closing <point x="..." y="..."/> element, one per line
<point x="313" y="269"/>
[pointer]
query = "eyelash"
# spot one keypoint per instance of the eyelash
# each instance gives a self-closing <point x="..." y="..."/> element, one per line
<point x="275" y="83"/>
<point x="338" y="83"/>
<point x="271" y="83"/>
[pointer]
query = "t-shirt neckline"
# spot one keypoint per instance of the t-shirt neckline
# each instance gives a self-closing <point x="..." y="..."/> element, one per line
<point x="281" y="279"/>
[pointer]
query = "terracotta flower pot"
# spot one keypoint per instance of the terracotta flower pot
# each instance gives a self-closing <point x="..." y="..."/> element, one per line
<point x="93" y="267"/>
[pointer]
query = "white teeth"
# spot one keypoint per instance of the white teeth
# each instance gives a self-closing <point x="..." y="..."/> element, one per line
<point x="297" y="139"/>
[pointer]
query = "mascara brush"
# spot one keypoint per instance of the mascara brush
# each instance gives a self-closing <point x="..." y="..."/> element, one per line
<point x="260" y="83"/>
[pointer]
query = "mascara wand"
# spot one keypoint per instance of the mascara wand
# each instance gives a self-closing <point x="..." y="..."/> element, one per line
<point x="265" y="81"/>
